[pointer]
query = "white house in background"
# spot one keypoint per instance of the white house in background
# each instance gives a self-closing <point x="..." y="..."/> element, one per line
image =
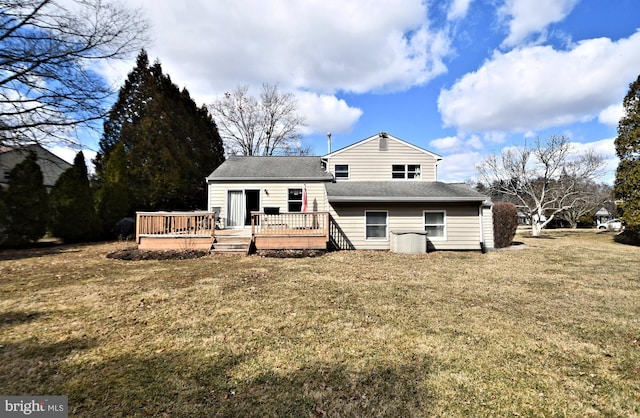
<point x="50" y="164"/>
<point x="373" y="191"/>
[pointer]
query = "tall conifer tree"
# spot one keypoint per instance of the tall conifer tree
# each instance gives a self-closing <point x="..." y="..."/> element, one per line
<point x="72" y="214"/>
<point x="26" y="203"/>
<point x="113" y="200"/>
<point x="170" y="145"/>
<point x="627" y="184"/>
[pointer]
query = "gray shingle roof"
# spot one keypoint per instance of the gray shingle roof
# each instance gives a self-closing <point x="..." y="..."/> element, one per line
<point x="401" y="191"/>
<point x="270" y="168"/>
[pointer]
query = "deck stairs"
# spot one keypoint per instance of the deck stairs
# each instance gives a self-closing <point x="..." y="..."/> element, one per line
<point x="231" y="244"/>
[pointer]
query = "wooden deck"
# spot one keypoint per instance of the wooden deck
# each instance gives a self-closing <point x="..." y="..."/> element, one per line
<point x="175" y="230"/>
<point x="196" y="230"/>
<point x="294" y="230"/>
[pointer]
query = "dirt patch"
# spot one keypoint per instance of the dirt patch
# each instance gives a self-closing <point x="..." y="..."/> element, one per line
<point x="291" y="253"/>
<point x="134" y="254"/>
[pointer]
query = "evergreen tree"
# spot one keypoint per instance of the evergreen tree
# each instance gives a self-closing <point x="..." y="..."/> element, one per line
<point x="26" y="203"/>
<point x="72" y="213"/>
<point x="170" y="145"/>
<point x="3" y="216"/>
<point x="627" y="184"/>
<point x="112" y="199"/>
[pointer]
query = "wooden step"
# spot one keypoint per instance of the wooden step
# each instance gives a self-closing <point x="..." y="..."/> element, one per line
<point x="231" y="245"/>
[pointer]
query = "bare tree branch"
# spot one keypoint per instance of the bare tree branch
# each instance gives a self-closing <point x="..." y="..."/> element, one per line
<point x="545" y="179"/>
<point x="269" y="126"/>
<point x="48" y="52"/>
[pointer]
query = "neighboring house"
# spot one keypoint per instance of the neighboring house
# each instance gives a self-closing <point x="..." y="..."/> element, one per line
<point x="50" y="164"/>
<point x="603" y="215"/>
<point x="372" y="190"/>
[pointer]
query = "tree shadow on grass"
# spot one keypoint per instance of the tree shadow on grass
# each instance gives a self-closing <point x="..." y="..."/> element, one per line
<point x="181" y="384"/>
<point x="31" y="367"/>
<point x="34" y="252"/>
<point x="12" y="318"/>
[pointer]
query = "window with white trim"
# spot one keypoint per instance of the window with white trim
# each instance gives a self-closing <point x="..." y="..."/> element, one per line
<point x="406" y="171"/>
<point x="295" y="200"/>
<point x="434" y="224"/>
<point x="376" y="225"/>
<point x="342" y="171"/>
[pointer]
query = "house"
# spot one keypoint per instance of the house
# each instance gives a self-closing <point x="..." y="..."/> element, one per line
<point x="603" y="215"/>
<point x="50" y="164"/>
<point x="368" y="195"/>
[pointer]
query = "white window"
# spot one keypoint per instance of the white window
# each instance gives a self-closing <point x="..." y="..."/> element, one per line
<point x="406" y="171"/>
<point x="434" y="224"/>
<point x="342" y="171"/>
<point x="376" y="225"/>
<point x="295" y="200"/>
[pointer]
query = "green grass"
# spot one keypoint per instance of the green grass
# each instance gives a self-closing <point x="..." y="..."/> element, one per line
<point x="553" y="330"/>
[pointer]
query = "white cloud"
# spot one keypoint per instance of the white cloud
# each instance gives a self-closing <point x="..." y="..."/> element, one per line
<point x="324" y="46"/>
<point x="539" y="87"/>
<point x="458" y="9"/>
<point x="459" y="167"/>
<point x="325" y="113"/>
<point x="475" y="142"/>
<point x="527" y="18"/>
<point x="448" y="143"/>
<point x="456" y="143"/>
<point x="611" y="115"/>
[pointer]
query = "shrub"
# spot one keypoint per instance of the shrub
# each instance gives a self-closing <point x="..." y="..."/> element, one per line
<point x="505" y="223"/>
<point x="629" y="236"/>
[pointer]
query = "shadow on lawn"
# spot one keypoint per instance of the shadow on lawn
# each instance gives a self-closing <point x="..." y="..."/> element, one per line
<point x="38" y="251"/>
<point x="181" y="384"/>
<point x="11" y="318"/>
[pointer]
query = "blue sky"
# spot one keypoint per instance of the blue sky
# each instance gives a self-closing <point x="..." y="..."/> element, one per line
<point x="461" y="78"/>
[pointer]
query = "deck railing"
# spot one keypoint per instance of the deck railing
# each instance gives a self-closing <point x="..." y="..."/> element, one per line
<point x="290" y="224"/>
<point x="175" y="224"/>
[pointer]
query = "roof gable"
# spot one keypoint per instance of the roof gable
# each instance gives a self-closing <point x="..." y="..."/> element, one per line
<point x="388" y="138"/>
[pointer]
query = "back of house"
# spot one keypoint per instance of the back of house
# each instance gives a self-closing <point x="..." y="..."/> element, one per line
<point x="375" y="191"/>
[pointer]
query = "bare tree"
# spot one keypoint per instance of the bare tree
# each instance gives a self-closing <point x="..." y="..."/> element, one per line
<point x="546" y="179"/>
<point x="268" y="126"/>
<point x="48" y="53"/>
<point x="591" y="197"/>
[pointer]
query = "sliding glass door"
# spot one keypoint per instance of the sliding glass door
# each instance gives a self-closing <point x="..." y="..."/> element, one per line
<point x="235" y="209"/>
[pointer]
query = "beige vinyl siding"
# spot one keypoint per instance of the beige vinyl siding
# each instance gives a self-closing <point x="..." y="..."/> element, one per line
<point x="487" y="221"/>
<point x="367" y="163"/>
<point x="272" y="194"/>
<point x="461" y="220"/>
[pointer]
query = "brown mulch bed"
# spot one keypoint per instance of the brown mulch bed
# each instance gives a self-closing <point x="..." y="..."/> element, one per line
<point x="134" y="254"/>
<point x="291" y="253"/>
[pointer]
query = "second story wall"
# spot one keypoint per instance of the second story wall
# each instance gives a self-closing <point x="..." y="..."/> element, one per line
<point x="383" y="159"/>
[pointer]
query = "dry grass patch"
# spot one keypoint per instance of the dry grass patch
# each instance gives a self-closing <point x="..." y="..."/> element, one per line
<point x="552" y="330"/>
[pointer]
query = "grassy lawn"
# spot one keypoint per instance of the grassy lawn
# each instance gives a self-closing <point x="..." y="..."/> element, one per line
<point x="553" y="330"/>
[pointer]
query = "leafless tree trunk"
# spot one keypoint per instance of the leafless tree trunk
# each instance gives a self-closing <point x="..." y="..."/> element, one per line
<point x="269" y="126"/>
<point x="545" y="179"/>
<point x="48" y="53"/>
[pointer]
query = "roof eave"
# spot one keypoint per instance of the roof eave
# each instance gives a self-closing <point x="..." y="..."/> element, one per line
<point x="262" y="179"/>
<point x="345" y="199"/>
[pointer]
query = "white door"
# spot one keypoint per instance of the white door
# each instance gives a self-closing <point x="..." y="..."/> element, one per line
<point x="235" y="209"/>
